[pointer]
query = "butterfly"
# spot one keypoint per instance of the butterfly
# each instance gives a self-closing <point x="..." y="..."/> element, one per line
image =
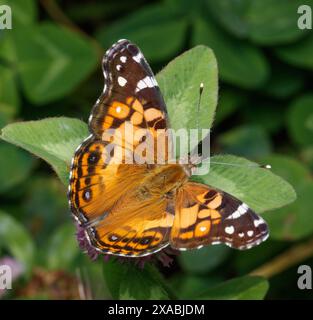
<point x="137" y="209"/>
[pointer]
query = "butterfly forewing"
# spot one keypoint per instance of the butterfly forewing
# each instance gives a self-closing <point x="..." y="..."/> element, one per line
<point x="130" y="85"/>
<point x="104" y="188"/>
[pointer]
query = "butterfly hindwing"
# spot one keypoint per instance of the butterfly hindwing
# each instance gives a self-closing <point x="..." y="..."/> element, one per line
<point x="96" y="182"/>
<point x="144" y="230"/>
<point x="205" y="216"/>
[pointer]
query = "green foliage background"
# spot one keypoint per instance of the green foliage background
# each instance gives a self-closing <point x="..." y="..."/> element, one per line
<point x="50" y="67"/>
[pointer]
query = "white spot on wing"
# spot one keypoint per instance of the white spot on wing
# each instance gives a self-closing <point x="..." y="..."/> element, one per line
<point x="230" y="230"/>
<point x="250" y="233"/>
<point x="87" y="195"/>
<point x="241" y="210"/>
<point x="258" y="222"/>
<point x="121" y="81"/>
<point x="138" y="57"/>
<point x="147" y="82"/>
<point x="123" y="59"/>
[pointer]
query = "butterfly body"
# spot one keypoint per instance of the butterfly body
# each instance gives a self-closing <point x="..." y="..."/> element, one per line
<point x="134" y="201"/>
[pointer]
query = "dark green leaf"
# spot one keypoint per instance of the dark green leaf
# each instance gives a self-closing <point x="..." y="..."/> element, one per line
<point x="229" y="101"/>
<point x="188" y="286"/>
<point x="299" y="54"/>
<point x="230" y="55"/>
<point x="284" y="82"/>
<point x="52" y="61"/>
<point x="147" y="32"/>
<point x="299" y="119"/>
<point x="271" y="22"/>
<point x="15" y="166"/>
<point x="62" y="248"/>
<point x="244" y="288"/>
<point x="203" y="260"/>
<point x="9" y="99"/>
<point x="129" y="282"/>
<point x="231" y="15"/>
<point x="15" y="238"/>
<point x="45" y="206"/>
<point x="249" y="141"/>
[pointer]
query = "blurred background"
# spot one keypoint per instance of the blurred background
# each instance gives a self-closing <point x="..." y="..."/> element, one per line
<point x="50" y="66"/>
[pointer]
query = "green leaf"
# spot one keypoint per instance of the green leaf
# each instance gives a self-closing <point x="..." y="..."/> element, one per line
<point x="147" y="32"/>
<point x="62" y="248"/>
<point x="231" y="15"/>
<point x="15" y="238"/>
<point x="264" y="113"/>
<point x="261" y="189"/>
<point x="180" y="81"/>
<point x="229" y="101"/>
<point x="271" y="22"/>
<point x="266" y="22"/>
<point x="128" y="282"/>
<point x="248" y="260"/>
<point x="44" y="204"/>
<point x="283" y="83"/>
<point x="188" y="286"/>
<point x="7" y="47"/>
<point x="9" y="99"/>
<point x="52" y="139"/>
<point x="230" y="54"/>
<point x="203" y="260"/>
<point x="15" y="166"/>
<point x="294" y="221"/>
<point x="52" y="61"/>
<point x="299" y="54"/>
<point x="242" y="141"/>
<point x="243" y="288"/>
<point x="299" y="118"/>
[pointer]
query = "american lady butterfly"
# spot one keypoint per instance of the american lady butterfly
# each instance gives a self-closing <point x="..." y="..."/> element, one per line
<point x="135" y="210"/>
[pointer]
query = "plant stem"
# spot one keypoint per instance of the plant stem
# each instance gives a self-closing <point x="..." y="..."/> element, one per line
<point x="284" y="261"/>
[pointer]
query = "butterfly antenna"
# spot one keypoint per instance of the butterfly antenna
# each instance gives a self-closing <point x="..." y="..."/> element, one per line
<point x="199" y="104"/>
<point x="199" y="149"/>
<point x="253" y="165"/>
